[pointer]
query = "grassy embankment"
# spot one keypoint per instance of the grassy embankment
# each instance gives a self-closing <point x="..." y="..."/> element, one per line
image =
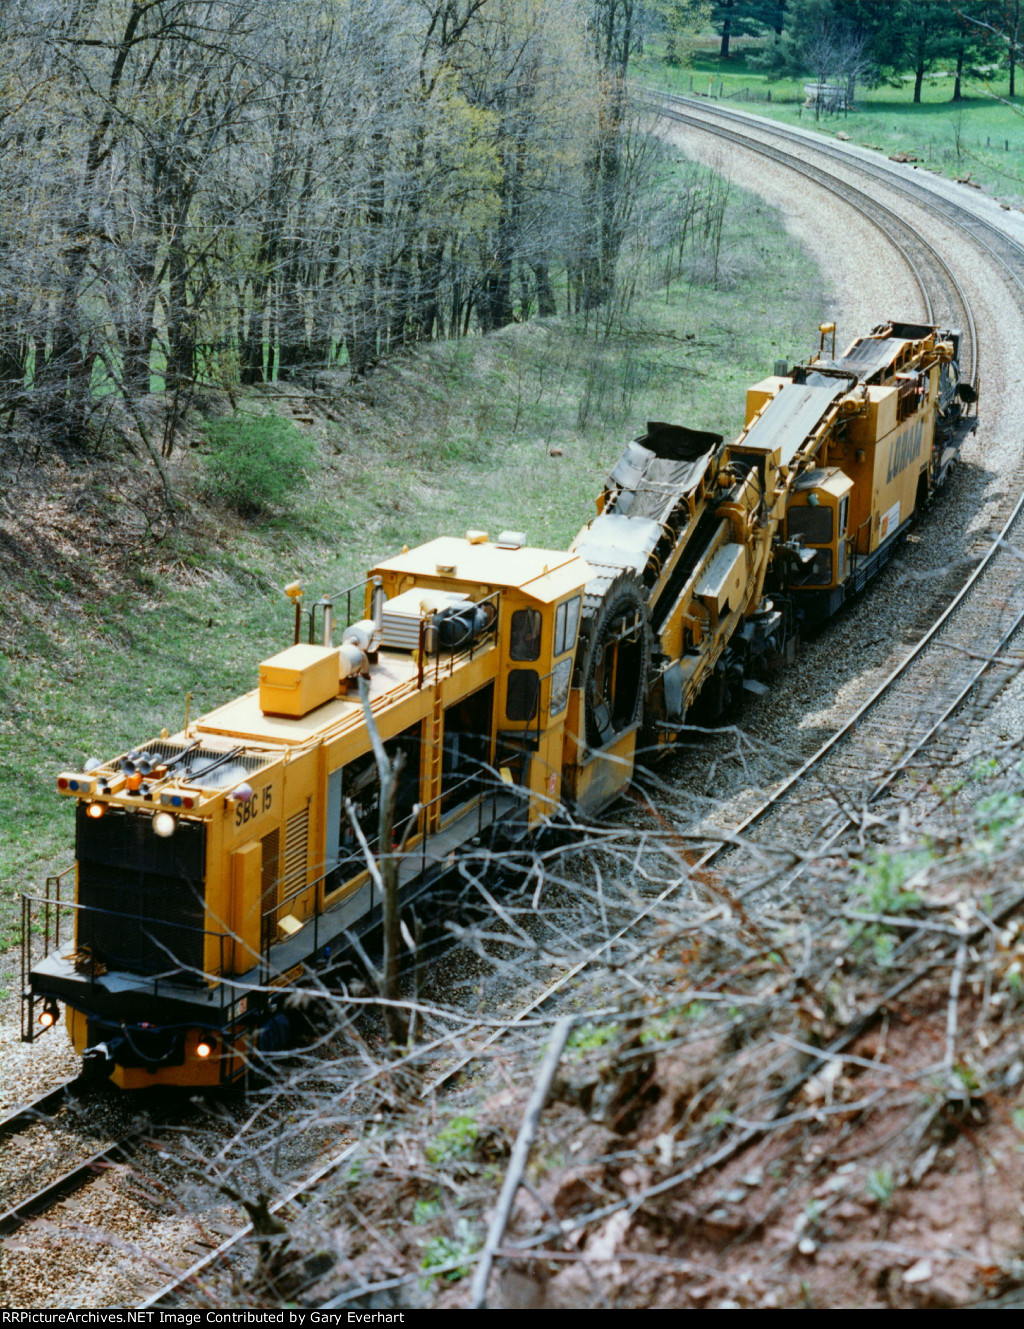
<point x="451" y="436"/>
<point x="979" y="136"/>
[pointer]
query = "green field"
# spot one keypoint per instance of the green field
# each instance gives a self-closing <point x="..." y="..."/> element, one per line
<point x="980" y="137"/>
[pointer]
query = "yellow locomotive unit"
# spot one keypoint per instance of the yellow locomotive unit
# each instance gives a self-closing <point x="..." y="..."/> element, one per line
<point x="217" y="864"/>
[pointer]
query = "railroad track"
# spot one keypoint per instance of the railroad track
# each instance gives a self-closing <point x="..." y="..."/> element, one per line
<point x="80" y="1160"/>
<point x="45" y="1113"/>
<point x="39" y="1108"/>
<point x="942" y="294"/>
<point x="888" y="733"/>
<point x="993" y="592"/>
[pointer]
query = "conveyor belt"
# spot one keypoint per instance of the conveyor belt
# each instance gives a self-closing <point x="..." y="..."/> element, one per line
<point x="791" y="416"/>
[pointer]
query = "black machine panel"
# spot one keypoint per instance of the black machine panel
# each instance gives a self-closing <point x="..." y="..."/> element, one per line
<point x="142" y="896"/>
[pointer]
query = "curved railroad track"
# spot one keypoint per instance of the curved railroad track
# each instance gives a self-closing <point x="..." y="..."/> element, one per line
<point x="942" y="294"/>
<point x="887" y="733"/>
<point x="948" y="663"/>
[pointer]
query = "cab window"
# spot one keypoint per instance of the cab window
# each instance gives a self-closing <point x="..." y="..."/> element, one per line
<point x="522" y="694"/>
<point x="567" y="617"/>
<point x="812" y="525"/>
<point x="524" y="643"/>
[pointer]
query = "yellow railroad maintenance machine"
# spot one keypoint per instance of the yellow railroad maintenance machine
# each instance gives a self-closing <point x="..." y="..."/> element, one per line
<point x="218" y="863"/>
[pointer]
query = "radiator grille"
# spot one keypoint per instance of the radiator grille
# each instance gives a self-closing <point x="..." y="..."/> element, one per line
<point x="295" y="842"/>
<point x="142" y="897"/>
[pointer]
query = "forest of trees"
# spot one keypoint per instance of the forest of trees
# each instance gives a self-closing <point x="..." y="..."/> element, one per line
<point x="846" y="41"/>
<point x="239" y="190"/>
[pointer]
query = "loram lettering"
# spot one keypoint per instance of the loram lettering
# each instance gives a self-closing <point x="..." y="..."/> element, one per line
<point x="905" y="448"/>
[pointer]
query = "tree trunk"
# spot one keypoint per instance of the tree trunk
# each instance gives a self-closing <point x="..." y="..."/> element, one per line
<point x="63" y="383"/>
<point x="181" y="346"/>
<point x="546" y="306"/>
<point x="919" y="71"/>
<point x="251" y="352"/>
<point x="959" y="72"/>
<point x="363" y="341"/>
<point x="496" y="301"/>
<point x="137" y="348"/>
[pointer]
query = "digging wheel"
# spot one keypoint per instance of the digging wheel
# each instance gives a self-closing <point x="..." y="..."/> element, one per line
<point x="614" y="659"/>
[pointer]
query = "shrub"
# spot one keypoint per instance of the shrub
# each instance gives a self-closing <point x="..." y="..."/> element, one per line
<point x="255" y="462"/>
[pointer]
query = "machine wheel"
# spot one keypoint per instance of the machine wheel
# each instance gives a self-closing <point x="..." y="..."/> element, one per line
<point x="615" y="660"/>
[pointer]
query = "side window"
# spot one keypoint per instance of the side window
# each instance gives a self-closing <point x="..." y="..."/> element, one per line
<point x="525" y="635"/>
<point x="567" y="618"/>
<point x="560" y="676"/>
<point x="844" y="512"/>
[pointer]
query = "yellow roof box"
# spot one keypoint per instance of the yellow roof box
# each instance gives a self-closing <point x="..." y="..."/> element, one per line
<point x="298" y="680"/>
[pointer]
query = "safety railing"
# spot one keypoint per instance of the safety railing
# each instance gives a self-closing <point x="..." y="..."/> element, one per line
<point x="41" y="918"/>
<point x="329" y="610"/>
<point x="444" y="657"/>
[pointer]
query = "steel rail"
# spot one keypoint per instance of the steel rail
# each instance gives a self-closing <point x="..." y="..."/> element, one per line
<point x="192" y="1276"/>
<point x="68" y="1182"/>
<point x="790" y="783"/>
<point x="35" y="1111"/>
<point x="871" y="209"/>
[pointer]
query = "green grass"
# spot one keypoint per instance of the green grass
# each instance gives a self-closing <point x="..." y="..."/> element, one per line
<point x="455" y="435"/>
<point x="956" y="139"/>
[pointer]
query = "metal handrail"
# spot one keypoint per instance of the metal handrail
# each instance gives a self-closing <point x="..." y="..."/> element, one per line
<point x="49" y="903"/>
<point x="327" y="602"/>
<point x="454" y="651"/>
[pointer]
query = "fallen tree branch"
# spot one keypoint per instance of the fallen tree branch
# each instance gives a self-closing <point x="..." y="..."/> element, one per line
<point x="517" y="1162"/>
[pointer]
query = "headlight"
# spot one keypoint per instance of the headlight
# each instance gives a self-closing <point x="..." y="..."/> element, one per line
<point x="164" y="825"/>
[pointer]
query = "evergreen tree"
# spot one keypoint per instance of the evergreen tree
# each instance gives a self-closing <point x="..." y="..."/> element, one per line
<point x="744" y="18"/>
